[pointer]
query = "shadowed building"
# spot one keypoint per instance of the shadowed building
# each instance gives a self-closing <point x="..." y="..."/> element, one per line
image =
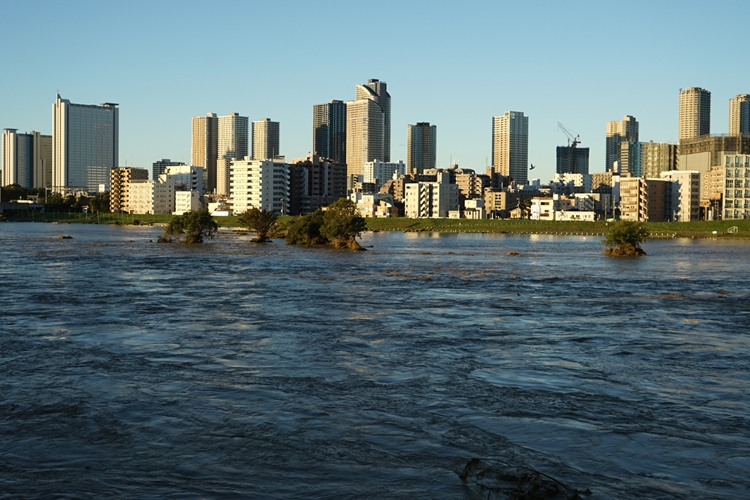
<point x="618" y="131"/>
<point x="421" y="147"/>
<point x="329" y="131"/>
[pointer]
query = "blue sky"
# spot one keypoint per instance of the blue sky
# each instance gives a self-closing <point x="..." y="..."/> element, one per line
<point x="452" y="64"/>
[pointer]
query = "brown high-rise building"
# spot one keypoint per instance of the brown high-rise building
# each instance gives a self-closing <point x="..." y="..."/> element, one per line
<point x="204" y="149"/>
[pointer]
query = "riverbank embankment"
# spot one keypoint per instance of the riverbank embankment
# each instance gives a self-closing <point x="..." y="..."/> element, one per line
<point x="726" y="229"/>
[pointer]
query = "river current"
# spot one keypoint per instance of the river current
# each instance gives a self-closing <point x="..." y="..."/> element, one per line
<point x="131" y="369"/>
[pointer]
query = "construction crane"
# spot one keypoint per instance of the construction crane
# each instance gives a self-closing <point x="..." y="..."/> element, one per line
<point x="573" y="139"/>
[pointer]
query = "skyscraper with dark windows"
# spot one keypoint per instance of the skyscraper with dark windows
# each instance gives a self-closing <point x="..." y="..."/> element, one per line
<point x="421" y="147"/>
<point x="329" y="131"/>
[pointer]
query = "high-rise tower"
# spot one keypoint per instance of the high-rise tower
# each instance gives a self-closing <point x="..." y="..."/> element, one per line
<point x="421" y="147"/>
<point x="695" y="113"/>
<point x="204" y="147"/>
<point x="85" y="144"/>
<point x="266" y="139"/>
<point x="739" y="115"/>
<point x="510" y="145"/>
<point x="329" y="131"/>
<point x="232" y="142"/>
<point x="27" y="159"/>
<point x="368" y="126"/>
<point x="619" y="131"/>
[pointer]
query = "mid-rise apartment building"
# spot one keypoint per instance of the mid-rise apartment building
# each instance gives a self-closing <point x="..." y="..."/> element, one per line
<point x="120" y="181"/>
<point x="737" y="187"/>
<point x="262" y="184"/>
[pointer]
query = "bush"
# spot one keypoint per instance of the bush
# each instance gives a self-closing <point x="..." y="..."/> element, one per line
<point x="624" y="238"/>
<point x="191" y="227"/>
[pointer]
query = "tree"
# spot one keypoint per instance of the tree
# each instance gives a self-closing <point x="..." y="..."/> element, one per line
<point x="191" y="227"/>
<point x="13" y="192"/>
<point x="305" y="230"/>
<point x="100" y="203"/>
<point x="624" y="238"/>
<point x="342" y="224"/>
<point x="260" y="221"/>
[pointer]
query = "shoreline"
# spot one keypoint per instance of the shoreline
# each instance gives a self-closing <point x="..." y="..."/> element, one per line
<point x="723" y="229"/>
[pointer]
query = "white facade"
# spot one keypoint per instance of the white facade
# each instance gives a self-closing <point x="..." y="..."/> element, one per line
<point x="262" y="184"/>
<point x="184" y="177"/>
<point x="429" y="199"/>
<point x="186" y="201"/>
<point x="378" y="172"/>
<point x="549" y="208"/>
<point x="737" y="190"/>
<point x="373" y="204"/>
<point x="85" y="144"/>
<point x="683" y="196"/>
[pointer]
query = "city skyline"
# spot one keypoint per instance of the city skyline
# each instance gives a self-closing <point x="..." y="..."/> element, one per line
<point x="458" y="85"/>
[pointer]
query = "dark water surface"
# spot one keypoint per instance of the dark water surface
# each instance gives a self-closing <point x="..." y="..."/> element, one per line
<point x="134" y="369"/>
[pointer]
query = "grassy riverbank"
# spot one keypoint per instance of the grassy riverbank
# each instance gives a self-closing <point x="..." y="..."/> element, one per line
<point x="702" y="229"/>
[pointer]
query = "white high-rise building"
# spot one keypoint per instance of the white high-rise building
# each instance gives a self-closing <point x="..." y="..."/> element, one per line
<point x="27" y="159"/>
<point x="266" y="139"/>
<point x="262" y="184"/>
<point x="739" y="115"/>
<point x="695" y="113"/>
<point x="232" y="143"/>
<point x="618" y="132"/>
<point x="510" y="145"/>
<point x="85" y="140"/>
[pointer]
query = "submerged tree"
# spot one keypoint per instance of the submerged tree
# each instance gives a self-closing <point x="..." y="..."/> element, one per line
<point x="305" y="230"/>
<point x="260" y="221"/>
<point x="340" y="224"/>
<point x="191" y="227"/>
<point x="624" y="238"/>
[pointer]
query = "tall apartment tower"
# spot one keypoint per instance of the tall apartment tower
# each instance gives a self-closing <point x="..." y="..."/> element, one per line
<point x="204" y="149"/>
<point x="739" y="115"/>
<point x="265" y="139"/>
<point x="510" y="145"/>
<point x="619" y="131"/>
<point x="695" y="113"/>
<point x="364" y="134"/>
<point x="378" y="92"/>
<point x="421" y="147"/>
<point x="232" y="143"/>
<point x="27" y="159"/>
<point x="85" y="144"/>
<point x="329" y="131"/>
